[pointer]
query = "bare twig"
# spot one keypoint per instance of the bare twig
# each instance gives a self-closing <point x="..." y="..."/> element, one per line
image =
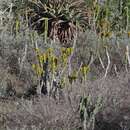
<point x="21" y="62"/>
<point x="69" y="60"/>
<point x="108" y="65"/>
<point x="102" y="64"/>
<point x="107" y="68"/>
<point x="128" y="54"/>
<point x="115" y="68"/>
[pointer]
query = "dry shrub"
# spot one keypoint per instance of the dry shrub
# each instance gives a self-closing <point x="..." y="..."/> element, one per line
<point x="45" y="112"/>
<point x="90" y="45"/>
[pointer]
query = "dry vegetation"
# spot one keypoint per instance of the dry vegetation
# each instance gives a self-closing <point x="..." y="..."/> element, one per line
<point x="64" y="65"/>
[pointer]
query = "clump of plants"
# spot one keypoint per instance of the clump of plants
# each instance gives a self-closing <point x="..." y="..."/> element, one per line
<point x="55" y="71"/>
<point x="59" y="20"/>
<point x="56" y="19"/>
<point x="112" y="16"/>
<point x="88" y="111"/>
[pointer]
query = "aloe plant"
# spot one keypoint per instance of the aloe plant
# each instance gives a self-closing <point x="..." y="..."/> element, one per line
<point x="63" y="16"/>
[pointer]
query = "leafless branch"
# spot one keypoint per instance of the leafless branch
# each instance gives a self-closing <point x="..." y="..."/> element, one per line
<point x="108" y="65"/>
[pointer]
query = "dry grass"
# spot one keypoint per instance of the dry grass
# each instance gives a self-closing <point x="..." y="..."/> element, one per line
<point x="47" y="113"/>
<point x="63" y="113"/>
<point x="109" y="82"/>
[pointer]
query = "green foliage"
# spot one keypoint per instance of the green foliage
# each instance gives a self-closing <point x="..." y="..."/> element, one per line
<point x="88" y="111"/>
<point x="56" y="65"/>
<point x="62" y="17"/>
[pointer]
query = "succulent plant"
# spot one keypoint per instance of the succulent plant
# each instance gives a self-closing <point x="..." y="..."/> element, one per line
<point x="58" y="19"/>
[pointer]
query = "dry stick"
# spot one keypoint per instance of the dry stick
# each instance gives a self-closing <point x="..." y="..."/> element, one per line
<point x="127" y="18"/>
<point x="1" y="17"/>
<point x="108" y="65"/>
<point x="91" y="59"/>
<point x="127" y="58"/>
<point x="39" y="87"/>
<point x="107" y="68"/>
<point x="128" y="55"/>
<point x="80" y="68"/>
<point x="51" y="84"/>
<point x="126" y="68"/>
<point x="102" y="64"/>
<point x="115" y="68"/>
<point x="23" y="59"/>
<point x="69" y="60"/>
<point x="11" y="7"/>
